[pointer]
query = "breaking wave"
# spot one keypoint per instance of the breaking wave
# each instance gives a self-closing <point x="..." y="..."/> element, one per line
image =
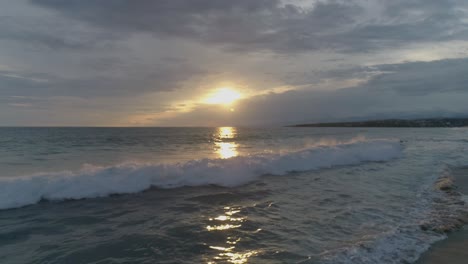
<point x="95" y="181"/>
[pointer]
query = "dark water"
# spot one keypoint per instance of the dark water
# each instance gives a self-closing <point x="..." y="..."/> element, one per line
<point x="221" y="195"/>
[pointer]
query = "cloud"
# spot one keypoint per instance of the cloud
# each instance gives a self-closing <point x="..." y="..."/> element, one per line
<point x="142" y="58"/>
<point x="42" y="33"/>
<point x="245" y="25"/>
<point x="150" y="79"/>
<point x="436" y="89"/>
<point x="422" y="78"/>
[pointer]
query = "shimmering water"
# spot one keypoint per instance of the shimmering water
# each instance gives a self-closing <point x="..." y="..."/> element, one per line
<point x="221" y="195"/>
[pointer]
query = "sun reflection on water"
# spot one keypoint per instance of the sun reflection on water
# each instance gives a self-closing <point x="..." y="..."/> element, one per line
<point x="222" y="227"/>
<point x="225" y="149"/>
<point x="226" y="217"/>
<point x="227" y="132"/>
<point x="228" y="253"/>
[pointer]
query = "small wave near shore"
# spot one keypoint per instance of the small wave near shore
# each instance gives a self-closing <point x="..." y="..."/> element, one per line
<point x="446" y="212"/>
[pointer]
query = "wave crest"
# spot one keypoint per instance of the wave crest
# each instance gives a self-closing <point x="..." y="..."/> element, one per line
<point x="95" y="181"/>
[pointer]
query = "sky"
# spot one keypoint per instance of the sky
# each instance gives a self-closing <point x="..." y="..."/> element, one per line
<point x="276" y="62"/>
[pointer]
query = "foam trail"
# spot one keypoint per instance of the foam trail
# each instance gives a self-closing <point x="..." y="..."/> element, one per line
<point x="94" y="181"/>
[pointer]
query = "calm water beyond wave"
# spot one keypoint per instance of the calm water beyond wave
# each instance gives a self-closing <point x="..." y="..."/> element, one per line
<point x="223" y="195"/>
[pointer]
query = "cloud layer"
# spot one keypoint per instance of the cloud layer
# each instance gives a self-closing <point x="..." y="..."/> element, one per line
<point x="409" y="90"/>
<point x="149" y="62"/>
<point x="346" y="26"/>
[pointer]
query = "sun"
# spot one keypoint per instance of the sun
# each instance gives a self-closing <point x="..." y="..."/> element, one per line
<point x="223" y="96"/>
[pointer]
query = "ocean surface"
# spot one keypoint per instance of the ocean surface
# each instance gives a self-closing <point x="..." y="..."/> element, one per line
<point x="225" y="195"/>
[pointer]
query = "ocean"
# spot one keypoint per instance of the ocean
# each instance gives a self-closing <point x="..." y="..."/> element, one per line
<point x="226" y="195"/>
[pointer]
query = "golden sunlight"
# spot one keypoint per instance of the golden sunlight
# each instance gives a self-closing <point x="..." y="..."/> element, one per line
<point x="223" y="96"/>
<point x="226" y="150"/>
<point x="227" y="132"/>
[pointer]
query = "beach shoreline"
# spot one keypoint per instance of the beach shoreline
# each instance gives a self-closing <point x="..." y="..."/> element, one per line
<point x="453" y="248"/>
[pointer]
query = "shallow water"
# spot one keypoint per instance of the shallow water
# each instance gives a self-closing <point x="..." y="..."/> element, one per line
<point x="453" y="249"/>
<point x="221" y="195"/>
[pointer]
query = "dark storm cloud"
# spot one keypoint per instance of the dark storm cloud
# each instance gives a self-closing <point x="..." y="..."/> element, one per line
<point x="246" y="25"/>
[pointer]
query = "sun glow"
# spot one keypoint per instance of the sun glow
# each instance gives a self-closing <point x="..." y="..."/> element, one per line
<point x="223" y="96"/>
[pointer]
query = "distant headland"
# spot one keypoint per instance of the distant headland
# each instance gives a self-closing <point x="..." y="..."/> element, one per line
<point x="429" y="122"/>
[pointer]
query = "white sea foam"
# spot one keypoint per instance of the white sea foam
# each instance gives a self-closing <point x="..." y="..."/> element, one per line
<point x="441" y="210"/>
<point x="94" y="181"/>
<point x="401" y="245"/>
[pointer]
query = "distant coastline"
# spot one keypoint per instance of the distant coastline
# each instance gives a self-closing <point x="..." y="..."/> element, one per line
<point x="429" y="122"/>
